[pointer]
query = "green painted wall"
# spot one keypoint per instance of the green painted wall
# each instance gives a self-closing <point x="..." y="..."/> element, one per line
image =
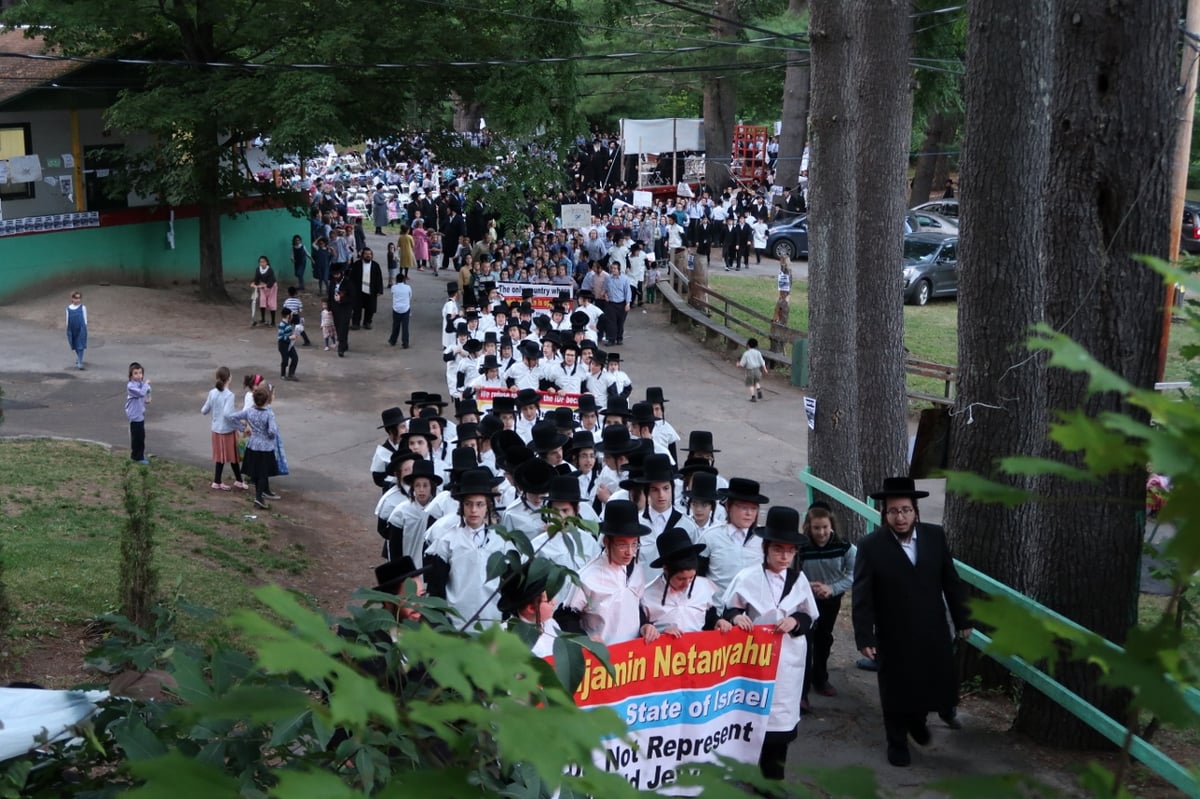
<point x="139" y="255"/>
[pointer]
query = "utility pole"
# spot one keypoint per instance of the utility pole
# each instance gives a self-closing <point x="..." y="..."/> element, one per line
<point x="1188" y="65"/>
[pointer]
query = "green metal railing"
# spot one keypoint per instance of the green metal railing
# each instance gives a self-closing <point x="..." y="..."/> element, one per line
<point x="1142" y="750"/>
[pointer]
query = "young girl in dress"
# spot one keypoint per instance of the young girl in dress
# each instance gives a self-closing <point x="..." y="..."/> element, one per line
<point x="435" y="251"/>
<point x="220" y="403"/>
<point x="77" y="327"/>
<point x="420" y="239"/>
<point x="268" y="288"/>
<point x="328" y="328"/>
<point x="137" y="396"/>
<point x="406" y="243"/>
<point x="260" y="450"/>
<point x="775" y="594"/>
<point x="393" y="264"/>
<point x="300" y="258"/>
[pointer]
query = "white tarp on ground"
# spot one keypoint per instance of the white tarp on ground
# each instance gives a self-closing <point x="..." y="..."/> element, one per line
<point x="661" y="135"/>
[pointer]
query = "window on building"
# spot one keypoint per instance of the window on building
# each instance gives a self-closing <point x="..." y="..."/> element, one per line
<point x="15" y="140"/>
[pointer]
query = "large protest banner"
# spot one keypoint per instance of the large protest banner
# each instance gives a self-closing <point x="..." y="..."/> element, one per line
<point x="684" y="700"/>
<point x="544" y="294"/>
<point x="549" y="400"/>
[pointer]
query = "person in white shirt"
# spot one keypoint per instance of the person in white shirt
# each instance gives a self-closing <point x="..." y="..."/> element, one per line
<point x="489" y="374"/>
<point x="774" y="592"/>
<point x="657" y="483"/>
<point x="732" y="547"/>
<point x="393" y="425"/>
<point x="678" y="600"/>
<point x="758" y="231"/>
<point x="527" y="373"/>
<point x="699" y="500"/>
<point x="664" y="433"/>
<point x="607" y="604"/>
<point x="406" y="523"/>
<point x="456" y="563"/>
<point x="532" y="479"/>
<point x="642" y="424"/>
<point x="529" y="412"/>
<point x="616" y="382"/>
<point x="401" y="310"/>
<point x="616" y="445"/>
<point x="450" y="314"/>
<point x="524" y="597"/>
<point x="637" y="272"/>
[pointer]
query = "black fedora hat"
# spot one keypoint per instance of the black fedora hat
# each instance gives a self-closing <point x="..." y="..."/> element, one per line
<point x="472" y="482"/>
<point x="700" y="441"/>
<point x="655" y="394"/>
<point x="472" y="345"/>
<point x="621" y="520"/>
<point x="656" y="468"/>
<point x="513" y="457"/>
<point x="400" y="457"/>
<point x="432" y="414"/>
<point x="582" y="439"/>
<point x="617" y="406"/>
<point x="899" y="487"/>
<point x="564" y="488"/>
<point x="489" y="362"/>
<point x="782" y="526"/>
<point x="452" y="288"/>
<point x="534" y="476"/>
<point x="423" y="468"/>
<point x="467" y="431"/>
<point x="742" y="489"/>
<point x="518" y="589"/>
<point x="642" y="413"/>
<point x="461" y="329"/>
<point x="527" y="397"/>
<point x="674" y="544"/>
<point x="697" y="466"/>
<point x="416" y="398"/>
<point x="504" y="403"/>
<point x="391" y="417"/>
<point x="564" y="418"/>
<point x="433" y="399"/>
<point x="417" y="427"/>
<point x="704" y="487"/>
<point x="504" y="440"/>
<point x="391" y="575"/>
<point x="546" y="437"/>
<point x="489" y="426"/>
<point x="464" y="407"/>
<point x="587" y="404"/>
<point x="529" y="349"/>
<point x="615" y="440"/>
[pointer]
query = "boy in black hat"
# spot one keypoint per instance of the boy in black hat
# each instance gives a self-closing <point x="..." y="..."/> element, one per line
<point x="774" y="592"/>
<point x="678" y="600"/>
<point x="393" y="424"/>
<point x="529" y="412"/>
<point x="657" y="483"/>
<point x="456" y="562"/>
<point x="731" y="547"/>
<point x="607" y="604"/>
<point x="527" y="373"/>
<point x="525" y="598"/>
<point x="664" y="433"/>
<point x="401" y="463"/>
<point x="571" y="547"/>
<point x="616" y="382"/>
<point x="581" y="453"/>
<point x="450" y="314"/>
<point x="532" y="479"/>
<point x="407" y="522"/>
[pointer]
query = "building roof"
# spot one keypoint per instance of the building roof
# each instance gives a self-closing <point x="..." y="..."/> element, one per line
<point x="20" y="75"/>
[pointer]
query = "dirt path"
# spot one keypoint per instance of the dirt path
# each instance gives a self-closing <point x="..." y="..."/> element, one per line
<point x="329" y="422"/>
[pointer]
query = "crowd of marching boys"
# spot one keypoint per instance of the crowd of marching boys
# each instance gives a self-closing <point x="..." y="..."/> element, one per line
<point x="680" y="548"/>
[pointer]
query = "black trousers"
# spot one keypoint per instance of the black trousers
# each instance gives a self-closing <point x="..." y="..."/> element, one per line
<point x="137" y="441"/>
<point x="773" y="757"/>
<point x="288" y="359"/>
<point x="400" y="328"/>
<point x="616" y="313"/>
<point x="820" y="642"/>
<point x="341" y="322"/>
<point x="365" y="310"/>
<point x="898" y="726"/>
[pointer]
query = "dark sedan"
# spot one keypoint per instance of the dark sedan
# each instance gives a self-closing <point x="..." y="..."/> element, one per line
<point x="789" y="239"/>
<point x="930" y="266"/>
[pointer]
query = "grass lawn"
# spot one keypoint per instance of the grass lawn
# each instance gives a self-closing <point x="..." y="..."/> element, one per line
<point x="930" y="332"/>
<point x="61" y="516"/>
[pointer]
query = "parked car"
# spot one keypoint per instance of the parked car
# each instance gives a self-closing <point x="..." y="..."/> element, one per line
<point x="930" y="266"/>
<point x="1189" y="237"/>
<point x="942" y="207"/>
<point x="933" y="223"/>
<point x="789" y="239"/>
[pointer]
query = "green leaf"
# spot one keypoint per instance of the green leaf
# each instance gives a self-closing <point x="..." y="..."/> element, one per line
<point x="993" y="786"/>
<point x="253" y="703"/>
<point x="850" y="781"/>
<point x="189" y="678"/>
<point x="312" y="784"/>
<point x="136" y="739"/>
<point x="1030" y="466"/>
<point x="174" y="776"/>
<point x="568" y="663"/>
<point x="1067" y="354"/>
<point x="982" y="489"/>
<point x="284" y="734"/>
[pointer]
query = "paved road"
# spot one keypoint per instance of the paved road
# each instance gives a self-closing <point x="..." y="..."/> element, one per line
<point x="329" y="420"/>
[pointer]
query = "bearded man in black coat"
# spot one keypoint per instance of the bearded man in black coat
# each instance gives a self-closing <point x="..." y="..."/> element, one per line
<point x="904" y="581"/>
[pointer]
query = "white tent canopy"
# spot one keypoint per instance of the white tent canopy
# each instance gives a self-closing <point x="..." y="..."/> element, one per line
<point x="654" y="136"/>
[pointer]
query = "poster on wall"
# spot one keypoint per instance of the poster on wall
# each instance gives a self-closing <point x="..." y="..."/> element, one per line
<point x="577" y="216"/>
<point x="24" y="169"/>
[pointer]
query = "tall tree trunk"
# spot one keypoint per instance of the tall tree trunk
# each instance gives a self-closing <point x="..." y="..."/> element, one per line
<point x="939" y="131"/>
<point x="1112" y="122"/>
<point x="793" y="132"/>
<point x="720" y="103"/>
<point x="1001" y="389"/>
<point x="466" y="114"/>
<point x="884" y="131"/>
<point x="208" y="185"/>
<point x="833" y="447"/>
